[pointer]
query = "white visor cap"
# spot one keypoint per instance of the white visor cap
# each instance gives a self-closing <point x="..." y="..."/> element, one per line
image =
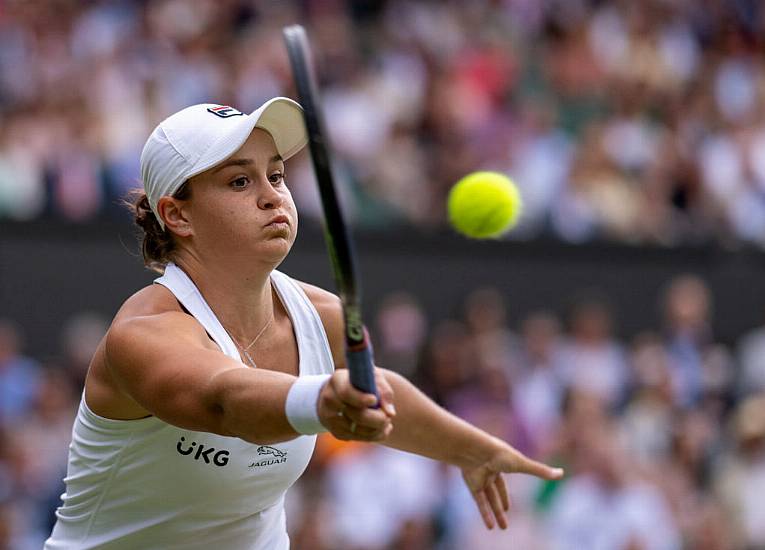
<point x="201" y="136"/>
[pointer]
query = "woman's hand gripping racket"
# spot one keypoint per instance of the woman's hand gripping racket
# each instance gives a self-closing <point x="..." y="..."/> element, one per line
<point x="358" y="351"/>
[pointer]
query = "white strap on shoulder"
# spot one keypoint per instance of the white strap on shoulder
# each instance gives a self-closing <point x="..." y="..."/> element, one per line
<point x="184" y="289"/>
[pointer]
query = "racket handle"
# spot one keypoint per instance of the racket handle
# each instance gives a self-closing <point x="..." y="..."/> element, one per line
<point x="361" y="368"/>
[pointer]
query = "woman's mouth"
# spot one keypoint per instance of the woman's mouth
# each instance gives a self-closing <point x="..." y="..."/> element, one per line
<point x="279" y="222"/>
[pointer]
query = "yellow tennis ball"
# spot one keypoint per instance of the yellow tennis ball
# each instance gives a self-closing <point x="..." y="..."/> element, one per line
<point x="484" y="205"/>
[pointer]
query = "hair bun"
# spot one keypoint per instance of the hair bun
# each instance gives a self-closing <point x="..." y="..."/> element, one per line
<point x="158" y="244"/>
<point x="144" y="215"/>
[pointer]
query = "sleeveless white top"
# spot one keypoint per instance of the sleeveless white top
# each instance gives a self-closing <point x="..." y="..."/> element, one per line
<point x="147" y="484"/>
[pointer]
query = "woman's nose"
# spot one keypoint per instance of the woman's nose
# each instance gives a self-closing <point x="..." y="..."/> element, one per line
<point x="270" y="198"/>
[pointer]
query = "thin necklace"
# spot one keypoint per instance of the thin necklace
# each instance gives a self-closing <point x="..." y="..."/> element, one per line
<point x="246" y="350"/>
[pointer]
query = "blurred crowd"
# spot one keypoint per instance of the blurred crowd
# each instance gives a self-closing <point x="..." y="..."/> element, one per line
<point x="633" y="121"/>
<point x="662" y="434"/>
<point x="641" y="122"/>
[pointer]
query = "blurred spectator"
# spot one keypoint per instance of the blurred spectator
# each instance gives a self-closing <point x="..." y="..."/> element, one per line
<point x="591" y="359"/>
<point x="538" y="392"/>
<point x="19" y="376"/>
<point x="401" y="329"/>
<point x="751" y="357"/>
<point x="377" y="495"/>
<point x="43" y="440"/>
<point x="604" y="505"/>
<point x="698" y="365"/>
<point x="540" y="164"/>
<point x="80" y="337"/>
<point x="741" y="478"/>
<point x="492" y="341"/>
<point x="6" y="525"/>
<point x="485" y="397"/>
<point x="446" y="361"/>
<point x="647" y="420"/>
<point x="683" y="474"/>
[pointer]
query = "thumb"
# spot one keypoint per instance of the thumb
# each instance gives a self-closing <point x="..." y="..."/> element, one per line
<point x="385" y="391"/>
<point x="386" y="402"/>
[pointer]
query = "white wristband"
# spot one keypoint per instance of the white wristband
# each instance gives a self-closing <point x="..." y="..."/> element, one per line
<point x="302" y="406"/>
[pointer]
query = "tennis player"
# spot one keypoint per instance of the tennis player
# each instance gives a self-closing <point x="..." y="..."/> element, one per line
<point x="203" y="401"/>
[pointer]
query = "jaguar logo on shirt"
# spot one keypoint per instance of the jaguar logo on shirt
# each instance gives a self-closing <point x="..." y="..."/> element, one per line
<point x="279" y="456"/>
<point x="207" y="454"/>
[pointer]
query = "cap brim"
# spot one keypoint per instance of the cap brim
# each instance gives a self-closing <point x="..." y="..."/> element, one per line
<point x="281" y="117"/>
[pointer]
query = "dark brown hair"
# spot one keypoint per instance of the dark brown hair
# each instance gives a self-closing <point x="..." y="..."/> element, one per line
<point x="158" y="244"/>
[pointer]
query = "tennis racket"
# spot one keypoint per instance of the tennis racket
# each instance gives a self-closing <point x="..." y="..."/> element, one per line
<point x="358" y="351"/>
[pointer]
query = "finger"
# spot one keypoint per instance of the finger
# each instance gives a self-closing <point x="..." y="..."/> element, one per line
<point x="360" y="434"/>
<point x="351" y="429"/>
<point x="333" y="403"/>
<point x="484" y="509"/>
<point x="528" y="466"/>
<point x="499" y="483"/>
<point x="386" y="432"/>
<point x="496" y="505"/>
<point x="381" y="435"/>
<point x="332" y="414"/>
<point x="350" y="395"/>
<point x="371" y="418"/>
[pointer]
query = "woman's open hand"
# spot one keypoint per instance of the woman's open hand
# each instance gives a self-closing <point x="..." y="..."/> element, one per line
<point x="488" y="487"/>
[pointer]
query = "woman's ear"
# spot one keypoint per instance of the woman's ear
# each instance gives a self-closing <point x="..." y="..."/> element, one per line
<point x="175" y="216"/>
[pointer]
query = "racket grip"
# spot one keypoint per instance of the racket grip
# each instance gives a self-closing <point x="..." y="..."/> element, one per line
<point x="361" y="368"/>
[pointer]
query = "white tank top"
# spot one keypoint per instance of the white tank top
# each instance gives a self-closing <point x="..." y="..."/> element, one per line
<point x="147" y="484"/>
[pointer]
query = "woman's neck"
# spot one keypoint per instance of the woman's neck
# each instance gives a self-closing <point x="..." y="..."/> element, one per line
<point x="241" y="300"/>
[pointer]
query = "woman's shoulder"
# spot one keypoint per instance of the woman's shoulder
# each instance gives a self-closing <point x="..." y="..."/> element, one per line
<point x="156" y="309"/>
<point x="151" y="300"/>
<point x="152" y="312"/>
<point x="323" y="300"/>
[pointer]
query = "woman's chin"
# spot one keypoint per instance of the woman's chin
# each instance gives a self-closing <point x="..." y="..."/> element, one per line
<point x="274" y="249"/>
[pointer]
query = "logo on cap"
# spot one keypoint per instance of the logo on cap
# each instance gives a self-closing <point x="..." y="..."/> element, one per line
<point x="224" y="111"/>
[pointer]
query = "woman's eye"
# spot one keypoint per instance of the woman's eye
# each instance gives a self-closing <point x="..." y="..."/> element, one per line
<point x="276" y="177"/>
<point x="240" y="183"/>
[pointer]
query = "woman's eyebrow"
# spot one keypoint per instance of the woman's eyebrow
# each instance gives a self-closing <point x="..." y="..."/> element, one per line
<point x="243" y="162"/>
<point x="233" y="162"/>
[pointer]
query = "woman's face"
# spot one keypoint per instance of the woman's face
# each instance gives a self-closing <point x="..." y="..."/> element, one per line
<point x="242" y="208"/>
